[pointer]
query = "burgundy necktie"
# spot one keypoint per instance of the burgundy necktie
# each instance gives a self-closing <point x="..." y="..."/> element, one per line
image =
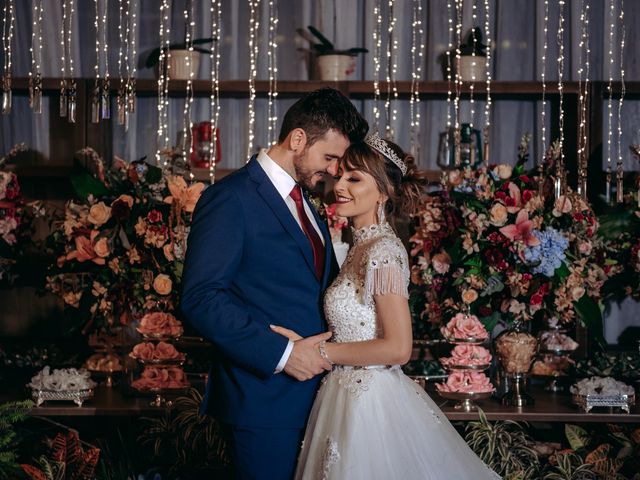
<point x="310" y="232"/>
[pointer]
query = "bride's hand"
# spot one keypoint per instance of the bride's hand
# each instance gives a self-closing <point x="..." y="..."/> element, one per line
<point x="285" y="332"/>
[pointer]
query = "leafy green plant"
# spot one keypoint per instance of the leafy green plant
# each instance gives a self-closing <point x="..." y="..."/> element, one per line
<point x="504" y="446"/>
<point x="185" y="441"/>
<point x="569" y="466"/>
<point x="11" y="414"/>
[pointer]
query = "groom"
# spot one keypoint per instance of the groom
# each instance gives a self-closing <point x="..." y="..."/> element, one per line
<point x="258" y="254"/>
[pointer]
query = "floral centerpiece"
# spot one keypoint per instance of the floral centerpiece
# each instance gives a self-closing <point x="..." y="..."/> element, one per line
<point x="16" y="219"/>
<point x="496" y="243"/>
<point x="120" y="248"/>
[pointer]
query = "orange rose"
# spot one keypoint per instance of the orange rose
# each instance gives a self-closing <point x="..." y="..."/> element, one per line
<point x="99" y="214"/>
<point x="162" y="284"/>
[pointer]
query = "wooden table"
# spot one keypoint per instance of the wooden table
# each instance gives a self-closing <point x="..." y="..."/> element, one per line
<point x="549" y="407"/>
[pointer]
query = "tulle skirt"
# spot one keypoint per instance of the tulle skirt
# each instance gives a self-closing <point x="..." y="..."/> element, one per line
<point x="376" y="423"/>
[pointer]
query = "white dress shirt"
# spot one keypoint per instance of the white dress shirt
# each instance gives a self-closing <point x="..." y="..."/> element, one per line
<point x="284" y="183"/>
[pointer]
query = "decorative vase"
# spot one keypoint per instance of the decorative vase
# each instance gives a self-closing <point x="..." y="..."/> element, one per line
<point x="554" y="362"/>
<point x="182" y="63"/>
<point x="473" y="68"/>
<point x="335" y="68"/>
<point x="515" y="349"/>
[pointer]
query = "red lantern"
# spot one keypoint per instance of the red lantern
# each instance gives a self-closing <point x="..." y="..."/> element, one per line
<point x="201" y="145"/>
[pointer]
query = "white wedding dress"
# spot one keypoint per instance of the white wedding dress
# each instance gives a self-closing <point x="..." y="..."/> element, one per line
<point x="374" y="422"/>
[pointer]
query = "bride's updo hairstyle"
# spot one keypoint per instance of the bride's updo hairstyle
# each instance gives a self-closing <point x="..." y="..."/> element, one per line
<point x="394" y="171"/>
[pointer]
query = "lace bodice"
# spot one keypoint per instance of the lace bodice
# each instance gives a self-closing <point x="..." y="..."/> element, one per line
<point x="376" y="264"/>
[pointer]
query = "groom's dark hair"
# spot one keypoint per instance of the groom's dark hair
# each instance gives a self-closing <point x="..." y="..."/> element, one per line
<point x="323" y="110"/>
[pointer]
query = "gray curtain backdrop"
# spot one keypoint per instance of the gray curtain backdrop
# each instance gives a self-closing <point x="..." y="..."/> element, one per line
<point x="516" y="30"/>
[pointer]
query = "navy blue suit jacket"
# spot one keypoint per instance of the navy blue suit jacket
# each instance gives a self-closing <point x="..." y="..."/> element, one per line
<point x="248" y="265"/>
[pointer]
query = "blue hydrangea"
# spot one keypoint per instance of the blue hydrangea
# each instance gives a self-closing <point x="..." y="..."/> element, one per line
<point x="549" y="255"/>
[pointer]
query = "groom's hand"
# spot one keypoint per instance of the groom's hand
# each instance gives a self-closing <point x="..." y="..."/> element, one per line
<point x="305" y="361"/>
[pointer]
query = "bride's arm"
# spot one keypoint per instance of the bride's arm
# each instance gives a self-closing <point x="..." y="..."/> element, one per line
<point x="392" y="348"/>
<point x="394" y="345"/>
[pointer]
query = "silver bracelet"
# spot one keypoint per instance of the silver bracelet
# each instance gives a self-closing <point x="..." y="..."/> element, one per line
<point x="323" y="352"/>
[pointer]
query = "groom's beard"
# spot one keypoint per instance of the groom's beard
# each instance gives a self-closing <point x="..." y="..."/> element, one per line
<point x="307" y="177"/>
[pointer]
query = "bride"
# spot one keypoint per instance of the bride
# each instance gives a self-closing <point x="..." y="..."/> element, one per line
<point x="369" y="420"/>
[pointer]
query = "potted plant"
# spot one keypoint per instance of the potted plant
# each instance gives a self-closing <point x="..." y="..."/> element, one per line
<point x="473" y="57"/>
<point x="331" y="64"/>
<point x="181" y="61"/>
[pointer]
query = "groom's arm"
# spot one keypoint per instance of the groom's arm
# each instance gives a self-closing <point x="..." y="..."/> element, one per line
<point x="212" y="260"/>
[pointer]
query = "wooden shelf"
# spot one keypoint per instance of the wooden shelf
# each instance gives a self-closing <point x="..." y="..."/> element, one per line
<point x="354" y="89"/>
<point x="549" y="407"/>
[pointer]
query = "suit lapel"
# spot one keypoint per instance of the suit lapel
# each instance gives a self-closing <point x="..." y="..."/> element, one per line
<point x="276" y="203"/>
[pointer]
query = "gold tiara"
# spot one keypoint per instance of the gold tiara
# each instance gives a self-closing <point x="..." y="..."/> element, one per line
<point x="377" y="143"/>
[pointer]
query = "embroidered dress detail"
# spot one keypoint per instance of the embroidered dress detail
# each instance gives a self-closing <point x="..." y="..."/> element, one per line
<point x="330" y="456"/>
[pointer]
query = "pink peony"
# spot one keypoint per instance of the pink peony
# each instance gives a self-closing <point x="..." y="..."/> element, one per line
<point x="467" y="355"/>
<point x="160" y="323"/>
<point x="465" y="326"/>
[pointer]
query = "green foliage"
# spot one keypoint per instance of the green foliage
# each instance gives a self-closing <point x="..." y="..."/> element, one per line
<point x="185" y="441"/>
<point x="504" y="446"/>
<point x="569" y="466"/>
<point x="11" y="414"/>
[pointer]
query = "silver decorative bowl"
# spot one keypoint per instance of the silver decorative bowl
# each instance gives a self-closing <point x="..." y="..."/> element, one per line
<point x="587" y="402"/>
<point x="76" y="396"/>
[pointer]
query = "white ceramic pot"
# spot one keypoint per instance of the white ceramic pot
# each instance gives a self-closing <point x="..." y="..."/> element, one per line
<point x="471" y="67"/>
<point x="182" y="62"/>
<point x="334" y="68"/>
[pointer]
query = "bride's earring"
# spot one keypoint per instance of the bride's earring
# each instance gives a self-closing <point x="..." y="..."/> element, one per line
<point x="381" y="216"/>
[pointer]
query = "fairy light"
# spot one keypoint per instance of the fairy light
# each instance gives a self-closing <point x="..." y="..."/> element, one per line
<point x="95" y="93"/>
<point x="417" y="49"/>
<point x="120" y="97"/>
<point x="187" y="122"/>
<point x="63" y="63"/>
<point x="105" y="104"/>
<point x="7" y="39"/>
<point x="214" y="56"/>
<point x="583" y="84"/>
<point x="392" y="68"/>
<point x="458" y="82"/>
<point x="487" y="106"/>
<point x="377" y="54"/>
<point x="272" y="45"/>
<point x="163" y="84"/>
<point x="130" y="60"/>
<point x="612" y="17"/>
<point x="449" y="74"/>
<point x="543" y="111"/>
<point x="35" y="74"/>
<point x="472" y="104"/>
<point x="619" y="169"/>
<point x="69" y="91"/>
<point x="560" y="170"/>
<point x="254" y="28"/>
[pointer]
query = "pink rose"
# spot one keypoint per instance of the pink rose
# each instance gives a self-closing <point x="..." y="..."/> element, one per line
<point x="478" y="382"/>
<point x="455" y="382"/>
<point x="465" y="326"/>
<point x="468" y="355"/>
<point x="166" y="351"/>
<point x="143" y="351"/>
<point x="160" y="323"/>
